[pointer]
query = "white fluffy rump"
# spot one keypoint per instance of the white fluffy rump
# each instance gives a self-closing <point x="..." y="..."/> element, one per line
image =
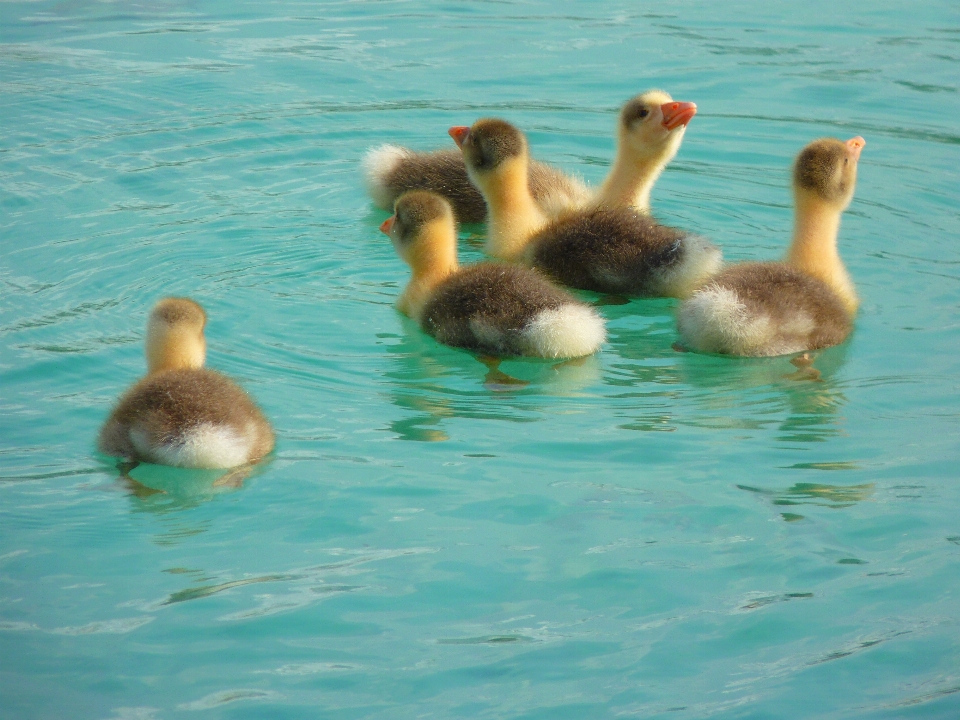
<point x="378" y="163"/>
<point x="568" y="331"/>
<point x="715" y="320"/>
<point x="701" y="260"/>
<point x="203" y="446"/>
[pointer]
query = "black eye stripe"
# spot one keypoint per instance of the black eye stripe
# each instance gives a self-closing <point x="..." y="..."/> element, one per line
<point x="634" y="111"/>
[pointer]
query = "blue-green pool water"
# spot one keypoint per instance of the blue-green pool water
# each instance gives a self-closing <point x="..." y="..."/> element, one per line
<point x="645" y="534"/>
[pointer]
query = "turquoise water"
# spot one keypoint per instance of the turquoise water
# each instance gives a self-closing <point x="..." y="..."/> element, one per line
<point x="644" y="534"/>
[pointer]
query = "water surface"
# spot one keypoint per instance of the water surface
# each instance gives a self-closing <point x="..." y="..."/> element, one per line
<point x="642" y="534"/>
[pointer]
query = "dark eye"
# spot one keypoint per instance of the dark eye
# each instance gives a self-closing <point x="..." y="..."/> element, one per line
<point x="846" y="160"/>
<point x="481" y="156"/>
<point x="643" y="113"/>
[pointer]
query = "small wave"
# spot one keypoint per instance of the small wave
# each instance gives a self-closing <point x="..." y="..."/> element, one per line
<point x="224" y="697"/>
<point x="487" y="640"/>
<point x="313" y="668"/>
<point x="114" y="627"/>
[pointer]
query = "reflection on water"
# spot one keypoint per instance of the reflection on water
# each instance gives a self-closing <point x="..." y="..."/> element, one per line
<point x="438" y="383"/>
<point x="430" y="411"/>
<point x="161" y="489"/>
<point x="416" y="386"/>
<point x="146" y="480"/>
<point x="839" y="465"/>
<point x="832" y="496"/>
<point x="801" y="400"/>
<point x="641" y="366"/>
<point x="756" y="392"/>
<point x="641" y="330"/>
<point x="835" y="496"/>
<point x="122" y="181"/>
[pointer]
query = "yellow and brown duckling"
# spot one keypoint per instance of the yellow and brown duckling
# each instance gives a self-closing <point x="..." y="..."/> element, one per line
<point x="650" y="130"/>
<point x="390" y="170"/>
<point x="806" y="302"/>
<point x="617" y="250"/>
<point x="182" y="414"/>
<point x="490" y="308"/>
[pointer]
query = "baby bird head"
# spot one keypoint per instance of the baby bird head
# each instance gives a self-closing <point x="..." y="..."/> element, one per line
<point x="491" y="147"/>
<point x="175" y="338"/>
<point x="652" y="125"/>
<point x="422" y="228"/>
<point x="826" y="170"/>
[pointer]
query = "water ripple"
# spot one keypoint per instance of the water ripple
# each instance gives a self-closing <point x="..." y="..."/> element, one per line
<point x="312" y="574"/>
<point x="865" y="128"/>
<point x="225" y="697"/>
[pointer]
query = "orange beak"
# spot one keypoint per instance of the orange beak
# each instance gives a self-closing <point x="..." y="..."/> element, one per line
<point x="387" y="225"/>
<point x="854" y="146"/>
<point x="676" y="114"/>
<point x="459" y="134"/>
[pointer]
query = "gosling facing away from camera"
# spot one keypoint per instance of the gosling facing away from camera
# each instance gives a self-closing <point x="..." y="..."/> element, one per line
<point x="182" y="414"/>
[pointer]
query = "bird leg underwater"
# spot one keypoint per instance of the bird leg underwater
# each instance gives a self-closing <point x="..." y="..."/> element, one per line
<point x="234" y="478"/>
<point x="126" y="466"/>
<point x="805" y="369"/>
<point x="611" y="300"/>
<point x="496" y="379"/>
<point x="133" y="486"/>
<point x="572" y="362"/>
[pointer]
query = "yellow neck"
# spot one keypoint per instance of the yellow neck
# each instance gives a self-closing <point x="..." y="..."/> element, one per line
<point x="630" y="182"/>
<point x="814" y="247"/>
<point x="433" y="258"/>
<point x="174" y="349"/>
<point x="514" y="216"/>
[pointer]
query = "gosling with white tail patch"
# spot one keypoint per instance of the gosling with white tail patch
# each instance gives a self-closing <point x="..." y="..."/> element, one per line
<point x="806" y="302"/>
<point x="618" y="250"/>
<point x="182" y="414"/>
<point x="490" y="308"/>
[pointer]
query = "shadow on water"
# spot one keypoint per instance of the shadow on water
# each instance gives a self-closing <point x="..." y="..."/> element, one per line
<point x="436" y="383"/>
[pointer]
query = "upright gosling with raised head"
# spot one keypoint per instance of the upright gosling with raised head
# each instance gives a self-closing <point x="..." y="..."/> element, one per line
<point x="650" y="128"/>
<point x="182" y="414"/>
<point x="490" y="308"/>
<point x="606" y="249"/>
<point x="807" y="301"/>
